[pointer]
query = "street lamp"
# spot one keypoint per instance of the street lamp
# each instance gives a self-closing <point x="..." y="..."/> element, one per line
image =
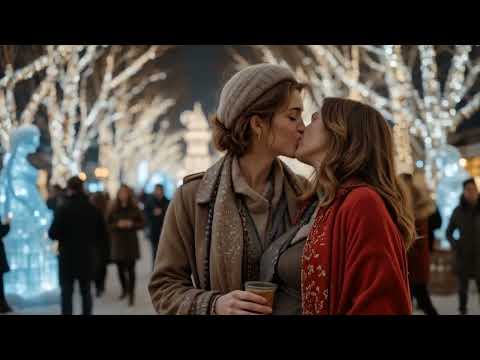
<point x="102" y="172"/>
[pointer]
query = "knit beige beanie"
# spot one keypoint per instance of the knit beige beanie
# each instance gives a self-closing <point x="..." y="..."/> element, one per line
<point x="247" y="86"/>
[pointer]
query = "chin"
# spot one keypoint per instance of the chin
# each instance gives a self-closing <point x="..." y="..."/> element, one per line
<point x="298" y="151"/>
<point x="301" y="157"/>
<point x="288" y="153"/>
<point x="298" y="156"/>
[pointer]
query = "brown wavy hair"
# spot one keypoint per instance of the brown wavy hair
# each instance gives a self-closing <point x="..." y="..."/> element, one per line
<point x="132" y="200"/>
<point x="237" y="140"/>
<point x="418" y="197"/>
<point x="361" y="146"/>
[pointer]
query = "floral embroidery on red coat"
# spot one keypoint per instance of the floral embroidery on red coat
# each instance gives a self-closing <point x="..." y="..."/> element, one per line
<point x="314" y="268"/>
<point x="315" y="261"/>
<point x="319" y="295"/>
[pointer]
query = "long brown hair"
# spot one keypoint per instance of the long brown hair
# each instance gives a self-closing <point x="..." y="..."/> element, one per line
<point x="418" y="197"/>
<point x="131" y="203"/>
<point x="361" y="146"/>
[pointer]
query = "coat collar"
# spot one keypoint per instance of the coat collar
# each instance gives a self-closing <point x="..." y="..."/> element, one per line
<point x="348" y="185"/>
<point x="352" y="182"/>
<point x="207" y="183"/>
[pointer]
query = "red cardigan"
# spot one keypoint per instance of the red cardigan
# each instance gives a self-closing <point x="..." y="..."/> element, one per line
<point x="354" y="261"/>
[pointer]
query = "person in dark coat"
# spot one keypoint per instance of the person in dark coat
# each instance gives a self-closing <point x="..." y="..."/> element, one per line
<point x="434" y="223"/>
<point x="102" y="246"/>
<point x="55" y="197"/>
<point x="466" y="219"/>
<point x="155" y="209"/>
<point x="124" y="220"/>
<point x="142" y="199"/>
<point x="77" y="225"/>
<point x="423" y="207"/>
<point x="4" y="268"/>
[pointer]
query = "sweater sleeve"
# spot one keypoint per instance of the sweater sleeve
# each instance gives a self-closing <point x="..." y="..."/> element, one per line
<point x="171" y="288"/>
<point x="452" y="226"/>
<point x="376" y="279"/>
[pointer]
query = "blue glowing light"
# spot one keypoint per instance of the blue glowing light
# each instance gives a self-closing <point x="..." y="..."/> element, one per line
<point x="449" y="187"/>
<point x="33" y="264"/>
<point x="169" y="184"/>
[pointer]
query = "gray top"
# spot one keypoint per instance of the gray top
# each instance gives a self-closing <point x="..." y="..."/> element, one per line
<point x="288" y="298"/>
<point x="281" y="264"/>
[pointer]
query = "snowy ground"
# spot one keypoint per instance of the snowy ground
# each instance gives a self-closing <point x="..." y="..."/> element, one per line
<point x="110" y="305"/>
<point x="448" y="305"/>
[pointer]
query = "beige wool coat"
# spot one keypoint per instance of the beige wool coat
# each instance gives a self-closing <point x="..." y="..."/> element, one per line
<point x="176" y="285"/>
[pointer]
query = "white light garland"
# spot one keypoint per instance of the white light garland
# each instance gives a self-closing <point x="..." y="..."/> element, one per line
<point x="429" y="113"/>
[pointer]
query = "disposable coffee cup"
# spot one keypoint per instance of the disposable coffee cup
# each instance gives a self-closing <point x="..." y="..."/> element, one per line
<point x="263" y="289"/>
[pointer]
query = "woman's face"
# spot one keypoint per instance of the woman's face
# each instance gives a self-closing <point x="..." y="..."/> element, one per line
<point x="287" y="127"/>
<point x="314" y="142"/>
<point x="123" y="195"/>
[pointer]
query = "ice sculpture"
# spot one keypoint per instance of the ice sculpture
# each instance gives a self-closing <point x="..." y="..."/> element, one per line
<point x="449" y="189"/>
<point x="33" y="264"/>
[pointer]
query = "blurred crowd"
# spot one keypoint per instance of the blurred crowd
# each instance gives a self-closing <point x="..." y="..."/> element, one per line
<point x="94" y="231"/>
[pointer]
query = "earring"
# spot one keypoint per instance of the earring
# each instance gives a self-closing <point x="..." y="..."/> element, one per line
<point x="259" y="136"/>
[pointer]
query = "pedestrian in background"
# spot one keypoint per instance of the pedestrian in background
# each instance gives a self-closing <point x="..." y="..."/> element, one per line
<point x="466" y="219"/>
<point x="124" y="220"/>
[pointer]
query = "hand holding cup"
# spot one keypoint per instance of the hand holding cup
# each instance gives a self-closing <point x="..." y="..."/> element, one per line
<point x="242" y="303"/>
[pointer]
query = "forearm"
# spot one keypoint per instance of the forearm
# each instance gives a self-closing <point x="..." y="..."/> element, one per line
<point x="451" y="228"/>
<point x="174" y="287"/>
<point x="174" y="296"/>
<point x="138" y="222"/>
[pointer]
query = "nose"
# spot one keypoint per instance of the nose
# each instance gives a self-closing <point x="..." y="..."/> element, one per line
<point x="301" y="126"/>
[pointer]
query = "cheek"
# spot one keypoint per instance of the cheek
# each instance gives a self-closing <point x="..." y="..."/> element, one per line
<point x="309" y="142"/>
<point x="285" y="134"/>
<point x="323" y="140"/>
<point x="322" y="136"/>
<point x="314" y="139"/>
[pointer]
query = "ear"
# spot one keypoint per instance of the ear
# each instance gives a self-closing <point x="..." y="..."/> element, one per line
<point x="256" y="125"/>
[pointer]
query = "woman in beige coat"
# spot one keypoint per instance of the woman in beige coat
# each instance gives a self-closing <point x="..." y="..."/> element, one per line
<point x="220" y="222"/>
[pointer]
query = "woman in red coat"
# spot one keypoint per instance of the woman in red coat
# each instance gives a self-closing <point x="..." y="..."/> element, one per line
<point x="354" y="261"/>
